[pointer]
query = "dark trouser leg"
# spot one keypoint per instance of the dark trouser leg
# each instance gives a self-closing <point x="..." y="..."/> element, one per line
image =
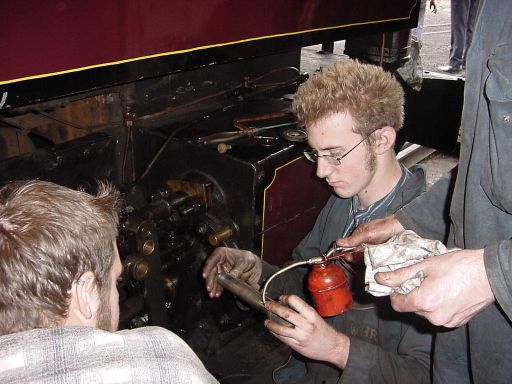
<point x="472" y="14"/>
<point x="459" y="15"/>
<point x="451" y="364"/>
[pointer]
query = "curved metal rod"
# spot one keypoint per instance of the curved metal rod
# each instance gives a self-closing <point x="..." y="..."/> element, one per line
<point x="326" y="256"/>
<point x="264" y="291"/>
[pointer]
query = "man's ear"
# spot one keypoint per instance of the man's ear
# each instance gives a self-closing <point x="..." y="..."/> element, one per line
<point x="384" y="139"/>
<point x="84" y="301"/>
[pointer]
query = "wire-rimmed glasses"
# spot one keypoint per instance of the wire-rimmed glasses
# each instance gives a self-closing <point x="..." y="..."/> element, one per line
<point x="313" y="156"/>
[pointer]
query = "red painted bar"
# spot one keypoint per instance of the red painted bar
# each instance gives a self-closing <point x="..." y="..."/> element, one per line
<point x="44" y="37"/>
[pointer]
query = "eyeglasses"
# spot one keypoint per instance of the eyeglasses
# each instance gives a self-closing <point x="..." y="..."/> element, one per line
<point x="313" y="156"/>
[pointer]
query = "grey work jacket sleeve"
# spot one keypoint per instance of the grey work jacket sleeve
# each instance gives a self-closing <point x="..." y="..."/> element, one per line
<point x="498" y="265"/>
<point x="321" y="235"/>
<point x="428" y="214"/>
<point x="370" y="363"/>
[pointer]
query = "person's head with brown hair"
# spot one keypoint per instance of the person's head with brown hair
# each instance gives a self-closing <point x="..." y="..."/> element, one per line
<point x="58" y="257"/>
<point x="373" y="97"/>
<point x="352" y="113"/>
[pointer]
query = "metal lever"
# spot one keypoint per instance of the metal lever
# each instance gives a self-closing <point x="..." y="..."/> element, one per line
<point x="223" y="137"/>
<point x="228" y="137"/>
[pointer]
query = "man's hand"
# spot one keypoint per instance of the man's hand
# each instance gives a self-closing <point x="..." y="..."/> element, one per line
<point x="373" y="232"/>
<point x="243" y="265"/>
<point x="312" y="336"/>
<point x="455" y="288"/>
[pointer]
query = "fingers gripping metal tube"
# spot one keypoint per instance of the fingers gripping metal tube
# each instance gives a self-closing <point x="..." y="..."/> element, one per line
<point x="248" y="294"/>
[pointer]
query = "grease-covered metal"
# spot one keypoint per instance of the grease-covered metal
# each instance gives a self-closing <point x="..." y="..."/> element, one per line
<point x="249" y="295"/>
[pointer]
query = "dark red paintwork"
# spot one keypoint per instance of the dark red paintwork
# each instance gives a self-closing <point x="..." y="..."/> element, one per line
<point x="292" y="203"/>
<point x="44" y="37"/>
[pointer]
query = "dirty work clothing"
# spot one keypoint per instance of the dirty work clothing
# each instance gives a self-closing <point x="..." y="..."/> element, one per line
<point x="385" y="346"/>
<point x="481" y="207"/>
<point x="88" y="355"/>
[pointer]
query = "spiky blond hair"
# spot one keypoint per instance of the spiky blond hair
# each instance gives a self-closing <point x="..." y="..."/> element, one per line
<point x="373" y="97"/>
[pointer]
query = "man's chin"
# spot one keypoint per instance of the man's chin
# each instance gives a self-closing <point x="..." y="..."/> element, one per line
<point x="342" y="192"/>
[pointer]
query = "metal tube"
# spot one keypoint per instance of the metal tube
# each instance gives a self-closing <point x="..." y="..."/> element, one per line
<point x="249" y="295"/>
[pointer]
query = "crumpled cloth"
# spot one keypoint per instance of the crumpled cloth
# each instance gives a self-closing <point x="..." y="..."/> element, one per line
<point x="400" y="251"/>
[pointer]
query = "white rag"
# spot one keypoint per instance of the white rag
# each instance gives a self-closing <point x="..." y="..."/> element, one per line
<point x="400" y="251"/>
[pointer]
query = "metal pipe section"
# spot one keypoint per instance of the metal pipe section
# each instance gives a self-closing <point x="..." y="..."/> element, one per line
<point x="249" y="295"/>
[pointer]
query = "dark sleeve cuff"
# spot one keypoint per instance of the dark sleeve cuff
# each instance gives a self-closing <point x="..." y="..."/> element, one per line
<point x="360" y="359"/>
<point x="498" y="266"/>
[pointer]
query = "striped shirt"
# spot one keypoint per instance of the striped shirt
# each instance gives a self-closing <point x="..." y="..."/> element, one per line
<point x="377" y="209"/>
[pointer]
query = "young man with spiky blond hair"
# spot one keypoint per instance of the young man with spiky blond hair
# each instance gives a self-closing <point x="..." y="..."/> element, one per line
<point x="352" y="113"/>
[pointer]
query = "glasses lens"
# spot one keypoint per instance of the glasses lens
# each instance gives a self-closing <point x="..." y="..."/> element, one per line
<point x="310" y="155"/>
<point x="332" y="160"/>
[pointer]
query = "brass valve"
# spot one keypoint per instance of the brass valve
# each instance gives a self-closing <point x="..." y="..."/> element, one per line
<point x="216" y="238"/>
<point x="223" y="147"/>
<point x="136" y="267"/>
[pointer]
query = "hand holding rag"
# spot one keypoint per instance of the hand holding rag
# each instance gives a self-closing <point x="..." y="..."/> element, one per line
<point x="400" y="251"/>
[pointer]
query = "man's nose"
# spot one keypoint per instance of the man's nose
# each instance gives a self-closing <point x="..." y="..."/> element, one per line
<point x="323" y="169"/>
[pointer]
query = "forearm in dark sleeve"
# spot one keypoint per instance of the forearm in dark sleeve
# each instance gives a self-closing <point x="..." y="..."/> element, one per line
<point x="428" y="214"/>
<point x="369" y="363"/>
<point x="498" y="265"/>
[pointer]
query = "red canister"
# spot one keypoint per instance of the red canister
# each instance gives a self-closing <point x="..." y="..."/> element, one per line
<point x="329" y="288"/>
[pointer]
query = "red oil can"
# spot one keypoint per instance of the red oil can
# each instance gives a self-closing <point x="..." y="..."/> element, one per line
<point x="329" y="288"/>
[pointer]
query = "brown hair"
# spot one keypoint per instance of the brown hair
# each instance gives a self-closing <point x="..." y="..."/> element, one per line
<point x="373" y="97"/>
<point x="49" y="236"/>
